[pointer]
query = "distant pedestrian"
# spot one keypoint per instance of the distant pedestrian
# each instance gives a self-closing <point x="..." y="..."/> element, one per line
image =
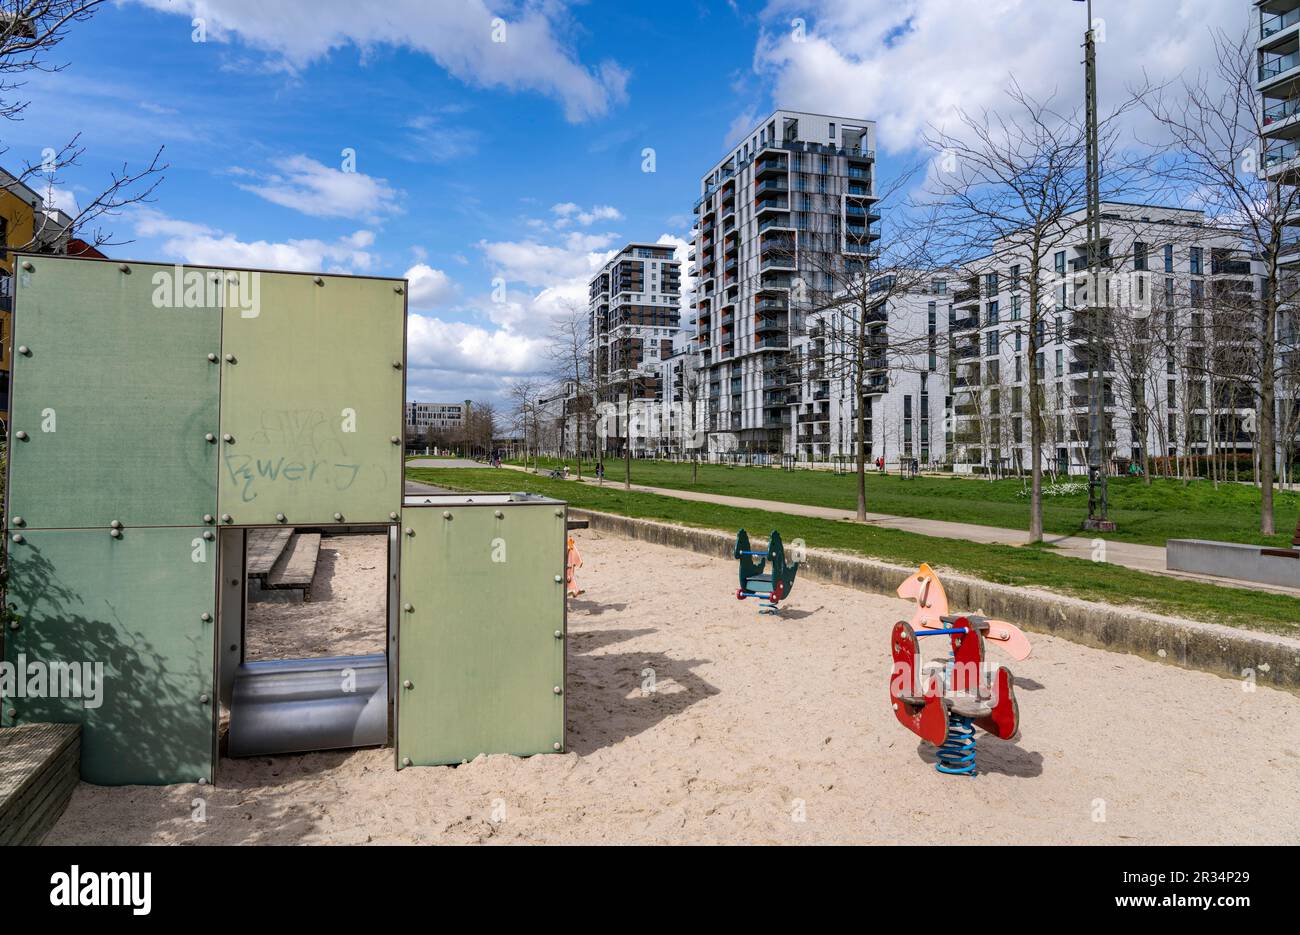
<point x="600" y="472"/>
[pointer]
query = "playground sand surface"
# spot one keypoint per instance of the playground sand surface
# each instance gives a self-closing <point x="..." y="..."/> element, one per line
<point x="345" y="616"/>
<point x="773" y="731"/>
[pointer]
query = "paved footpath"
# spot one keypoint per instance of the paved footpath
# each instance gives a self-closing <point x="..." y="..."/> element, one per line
<point x="1148" y="558"/>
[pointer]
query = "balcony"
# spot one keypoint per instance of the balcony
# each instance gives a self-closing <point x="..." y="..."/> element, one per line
<point x="782" y="223"/>
<point x="771" y="185"/>
<point x="773" y="342"/>
<point x="1272" y="25"/>
<point x="1272" y="67"/>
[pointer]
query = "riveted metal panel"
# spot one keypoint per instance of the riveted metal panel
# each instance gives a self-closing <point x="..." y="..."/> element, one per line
<point x="482" y="631"/>
<point x="311" y="399"/>
<point x="114" y="393"/>
<point x="133" y="605"/>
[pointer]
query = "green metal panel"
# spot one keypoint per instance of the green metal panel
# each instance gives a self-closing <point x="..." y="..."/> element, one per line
<point x="115" y="394"/>
<point x="479" y="660"/>
<point x="133" y="604"/>
<point x="311" y="399"/>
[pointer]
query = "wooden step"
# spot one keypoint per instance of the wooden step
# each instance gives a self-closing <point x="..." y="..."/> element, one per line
<point x="40" y="765"/>
<point x="265" y="547"/>
<point x="297" y="564"/>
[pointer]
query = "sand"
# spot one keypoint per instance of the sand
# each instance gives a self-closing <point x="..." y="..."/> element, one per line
<point x="345" y="615"/>
<point x="773" y="731"/>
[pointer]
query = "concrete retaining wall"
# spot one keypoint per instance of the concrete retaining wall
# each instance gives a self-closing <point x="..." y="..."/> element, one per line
<point x="1274" y="660"/>
<point x="1234" y="560"/>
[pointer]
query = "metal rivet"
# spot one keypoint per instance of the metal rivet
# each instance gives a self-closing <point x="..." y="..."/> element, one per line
<point x="230" y="358"/>
<point x="27" y="265"/>
<point x="557" y="689"/>
<point x="18" y="537"/>
<point x="338" y="516"/>
<point x="210" y="438"/>
<point x="446" y="514"/>
<point x="203" y="699"/>
<point x="12" y="712"/>
<point x="392" y="515"/>
<point x="559" y="634"/>
<point x="207" y="517"/>
<point x="24" y="350"/>
<point x="19" y="521"/>
<point x="279" y="517"/>
<point x="500" y="515"/>
<point x="410" y="531"/>
<point x="209" y="534"/>
<point x="13" y="624"/>
<point x="232" y="279"/>
<point x="226" y="517"/>
<point x="116" y="524"/>
<point x="227" y="437"/>
<point x="559" y="512"/>
<point x="124" y="268"/>
<point x="115" y="533"/>
<point x="203" y="780"/>
<point x="318" y="281"/>
<point x="205" y="617"/>
<point x="22" y="436"/>
<point x="556" y="746"/>
<point x="558" y="579"/>
<point x="397" y="365"/>
<point x="395" y="440"/>
<point x="408" y="684"/>
<point x="406" y="761"/>
<point x="408" y="608"/>
<point x="212" y="358"/>
<point x="398" y="289"/>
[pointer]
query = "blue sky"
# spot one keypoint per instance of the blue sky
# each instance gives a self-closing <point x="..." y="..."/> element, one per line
<point x="519" y="160"/>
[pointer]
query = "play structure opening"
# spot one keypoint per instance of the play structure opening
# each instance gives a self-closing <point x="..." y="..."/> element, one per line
<point x="170" y="427"/>
<point x="304" y="618"/>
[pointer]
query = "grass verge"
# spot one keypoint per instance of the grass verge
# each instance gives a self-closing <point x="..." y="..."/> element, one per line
<point x="1109" y="584"/>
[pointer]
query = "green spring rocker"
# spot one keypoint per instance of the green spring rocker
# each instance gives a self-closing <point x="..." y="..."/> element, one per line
<point x="769" y="587"/>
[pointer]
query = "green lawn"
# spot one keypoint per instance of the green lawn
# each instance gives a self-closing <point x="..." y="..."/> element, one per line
<point x="1110" y="584"/>
<point x="1144" y="514"/>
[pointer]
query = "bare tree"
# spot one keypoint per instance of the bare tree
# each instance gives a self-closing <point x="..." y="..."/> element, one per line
<point x="29" y="32"/>
<point x="570" y="358"/>
<point x="1215" y="126"/>
<point x="1011" y="180"/>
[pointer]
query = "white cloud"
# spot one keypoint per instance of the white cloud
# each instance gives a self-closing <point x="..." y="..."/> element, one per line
<point x="534" y="55"/>
<point x="190" y="242"/>
<point x="314" y="189"/>
<point x="567" y="213"/>
<point x="909" y="64"/>
<point x="460" y="347"/>
<point x="428" y="286"/>
<point x="546" y="265"/>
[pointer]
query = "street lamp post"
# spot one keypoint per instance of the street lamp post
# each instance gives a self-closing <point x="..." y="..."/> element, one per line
<point x="1098" y="493"/>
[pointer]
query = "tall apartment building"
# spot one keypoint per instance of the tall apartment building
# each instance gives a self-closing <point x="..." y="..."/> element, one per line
<point x="782" y="217"/>
<point x="1278" y="83"/>
<point x="1175" y="362"/>
<point x="634" y="304"/>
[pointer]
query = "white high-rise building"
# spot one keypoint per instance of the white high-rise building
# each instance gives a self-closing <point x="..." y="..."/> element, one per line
<point x="790" y="208"/>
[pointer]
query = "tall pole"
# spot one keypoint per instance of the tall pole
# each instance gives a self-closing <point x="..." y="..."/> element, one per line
<point x="1098" y="495"/>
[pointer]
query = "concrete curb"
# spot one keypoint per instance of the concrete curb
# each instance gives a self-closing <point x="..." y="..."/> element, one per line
<point x="1274" y="660"/>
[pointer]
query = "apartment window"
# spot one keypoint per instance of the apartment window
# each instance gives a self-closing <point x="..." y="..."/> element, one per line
<point x="1139" y="255"/>
<point x="1016" y="399"/>
<point x="1060" y="297"/>
<point x="992" y="314"/>
<point x="1196" y="261"/>
<point x="1060" y="362"/>
<point x="1020" y="362"/>
<point x="1015" y="276"/>
<point x="991" y="343"/>
<point x="1017" y="339"/>
<point x="1198" y="291"/>
<point x="939" y="286"/>
<point x="1015" y="308"/>
<point x="832" y="132"/>
<point x="1060" y="329"/>
<point x="1169" y="258"/>
<point x="1060" y="262"/>
<point x="991" y="283"/>
<point x="907" y="425"/>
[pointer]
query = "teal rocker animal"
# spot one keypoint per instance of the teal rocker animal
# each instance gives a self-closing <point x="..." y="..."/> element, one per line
<point x="767" y="576"/>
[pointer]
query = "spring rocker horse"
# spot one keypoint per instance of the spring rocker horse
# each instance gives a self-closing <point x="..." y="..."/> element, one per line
<point x="943" y="703"/>
<point x="770" y="587"/>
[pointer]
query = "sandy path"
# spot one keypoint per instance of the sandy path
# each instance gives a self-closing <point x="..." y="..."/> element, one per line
<point x="757" y="724"/>
<point x="345" y="616"/>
